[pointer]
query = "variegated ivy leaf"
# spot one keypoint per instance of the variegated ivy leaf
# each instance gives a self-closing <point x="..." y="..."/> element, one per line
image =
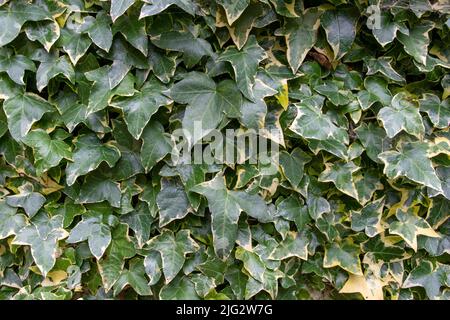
<point x="371" y="287"/>
<point x="139" y="108"/>
<point x="233" y="8"/>
<point x="53" y="67"/>
<point x="99" y="30"/>
<point x="74" y="43"/>
<point x="133" y="30"/>
<point x="111" y="265"/>
<point x="156" y="145"/>
<point x="193" y="48"/>
<point x="119" y="7"/>
<point x="42" y="235"/>
<point x="30" y="201"/>
<point x="341" y="174"/>
<point x="383" y="66"/>
<point x="47" y="32"/>
<point x="226" y="206"/>
<point x="15" y="65"/>
<point x="89" y="153"/>
<point x="344" y="255"/>
<point x="438" y="111"/>
<point x="22" y="111"/>
<point x="253" y="264"/>
<point x="241" y="27"/>
<point x="294" y="245"/>
<point x="300" y="34"/>
<point x="173" y="249"/>
<point x="416" y="41"/>
<point x="340" y="28"/>
<point x="411" y="161"/>
<point x="245" y="64"/>
<point x="172" y="202"/>
<point x="409" y="225"/>
<point x="48" y="152"/>
<point x="369" y="218"/>
<point x="135" y="277"/>
<point x="207" y="101"/>
<point x="384" y="249"/>
<point x="288" y="9"/>
<point x="387" y="30"/>
<point x="431" y="276"/>
<point x="253" y="113"/>
<point x="153" y="7"/>
<point x="13" y="17"/>
<point x="312" y="123"/>
<point x="402" y="114"/>
<point x="11" y="222"/>
<point x="95" y="227"/>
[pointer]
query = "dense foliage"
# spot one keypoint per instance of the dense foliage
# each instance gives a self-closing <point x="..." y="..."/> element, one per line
<point x="355" y="93"/>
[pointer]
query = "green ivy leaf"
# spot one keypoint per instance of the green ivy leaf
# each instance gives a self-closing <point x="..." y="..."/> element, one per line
<point x="14" y="16"/>
<point x="111" y="265"/>
<point x="226" y="206"/>
<point x="173" y="250"/>
<point x="172" y="202"/>
<point x="156" y="145"/>
<point x="89" y="153"/>
<point x="139" y="108"/>
<point x="245" y="64"/>
<point x="48" y="152"/>
<point x="153" y="7"/>
<point x="15" y="65"/>
<point x="207" y="102"/>
<point x="193" y="48"/>
<point x="340" y="28"/>
<point x="181" y="288"/>
<point x="22" y="111"/>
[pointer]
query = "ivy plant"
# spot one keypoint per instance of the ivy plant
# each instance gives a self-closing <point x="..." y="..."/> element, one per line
<point x="353" y="203"/>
